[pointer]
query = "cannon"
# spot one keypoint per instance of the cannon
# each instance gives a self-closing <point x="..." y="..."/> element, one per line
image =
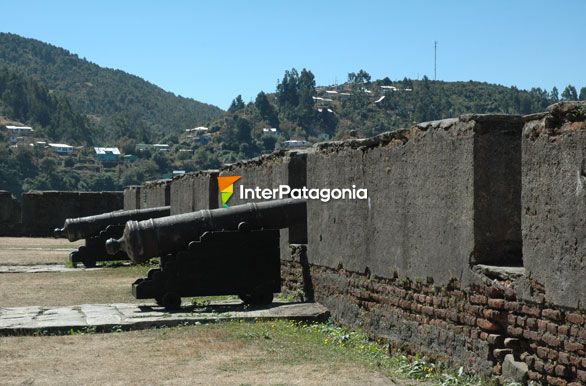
<point x="226" y="251"/>
<point x="99" y="228"/>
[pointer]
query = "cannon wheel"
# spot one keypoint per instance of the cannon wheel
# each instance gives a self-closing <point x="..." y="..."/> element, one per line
<point x="257" y="298"/>
<point x="89" y="262"/>
<point x="171" y="301"/>
<point x="73" y="258"/>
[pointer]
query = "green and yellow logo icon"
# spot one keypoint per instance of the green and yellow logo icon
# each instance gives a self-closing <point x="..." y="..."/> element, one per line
<point x="226" y="186"/>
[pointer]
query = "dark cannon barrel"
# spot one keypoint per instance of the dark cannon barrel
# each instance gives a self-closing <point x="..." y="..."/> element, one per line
<point x="160" y="236"/>
<point x="84" y="227"/>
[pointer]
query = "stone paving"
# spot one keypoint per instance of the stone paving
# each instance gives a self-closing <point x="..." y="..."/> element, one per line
<point x="41" y="268"/>
<point x="28" y="320"/>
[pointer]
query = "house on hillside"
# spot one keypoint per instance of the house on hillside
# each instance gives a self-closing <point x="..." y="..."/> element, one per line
<point x="107" y="155"/>
<point x="61" y="148"/>
<point x="16" y="132"/>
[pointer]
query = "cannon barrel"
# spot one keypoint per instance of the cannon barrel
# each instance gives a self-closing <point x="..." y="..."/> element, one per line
<point x="84" y="227"/>
<point x="160" y="236"/>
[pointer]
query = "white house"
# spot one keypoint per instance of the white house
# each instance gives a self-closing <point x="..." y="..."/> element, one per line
<point x="61" y="148"/>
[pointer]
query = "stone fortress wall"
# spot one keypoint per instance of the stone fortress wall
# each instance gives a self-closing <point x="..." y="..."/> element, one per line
<point x="469" y="249"/>
<point x="40" y="212"/>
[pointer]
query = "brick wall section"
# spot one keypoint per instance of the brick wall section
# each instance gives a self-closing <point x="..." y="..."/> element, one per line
<point x="42" y="212"/>
<point x="132" y="197"/>
<point x="194" y="191"/>
<point x="155" y="194"/>
<point x="475" y="327"/>
<point x="554" y="202"/>
<point x="9" y="214"/>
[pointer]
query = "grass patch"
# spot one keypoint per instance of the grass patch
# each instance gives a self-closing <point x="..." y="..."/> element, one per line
<point x="294" y="343"/>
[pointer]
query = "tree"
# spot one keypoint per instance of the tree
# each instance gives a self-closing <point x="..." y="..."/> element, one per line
<point x="554" y="96"/>
<point x="306" y="107"/>
<point x="288" y="92"/>
<point x="266" y="109"/>
<point x="570" y="93"/>
<point x="237" y="104"/>
<point x="582" y="96"/>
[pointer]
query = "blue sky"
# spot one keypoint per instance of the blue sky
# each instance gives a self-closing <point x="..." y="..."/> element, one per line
<point x="214" y="50"/>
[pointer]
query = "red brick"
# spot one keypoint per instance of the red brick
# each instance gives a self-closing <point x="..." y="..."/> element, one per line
<point x="562" y="371"/>
<point x="498" y="304"/>
<point x="563" y="330"/>
<point x="529" y="360"/>
<point x="427" y="310"/>
<point x="552" y="328"/>
<point x="575" y="384"/>
<point x="573" y="346"/>
<point x="521" y="320"/>
<point x="534" y="376"/>
<point x="541" y="352"/>
<point x="564" y="358"/>
<point x="551" y="314"/>
<point x="542" y="325"/>
<point x="532" y="335"/>
<point x="511" y="319"/>
<point x="552" y="354"/>
<point x="487" y="325"/>
<point x="515" y="331"/>
<point x="531" y="323"/>
<point x="551" y="340"/>
<point x="533" y="311"/>
<point x="581" y="375"/>
<point x="549" y="368"/>
<point x="556" y="381"/>
<point x="538" y="365"/>
<point x="512" y="306"/>
<point x="574" y="318"/>
<point x="478" y="299"/>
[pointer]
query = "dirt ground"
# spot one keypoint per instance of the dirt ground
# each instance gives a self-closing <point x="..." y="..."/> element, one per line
<point x="108" y="285"/>
<point x="205" y="354"/>
<point x="29" y="251"/>
<point x="225" y="353"/>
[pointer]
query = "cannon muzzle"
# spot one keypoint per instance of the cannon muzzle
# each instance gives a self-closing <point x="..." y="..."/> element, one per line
<point x="84" y="227"/>
<point x="159" y="236"/>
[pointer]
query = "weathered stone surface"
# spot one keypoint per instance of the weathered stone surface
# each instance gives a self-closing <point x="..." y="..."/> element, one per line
<point x="9" y="214"/>
<point x="554" y="204"/>
<point x="442" y="195"/>
<point x="513" y="370"/>
<point x="194" y="191"/>
<point x="44" y="211"/>
<point x="18" y="320"/>
<point x="132" y="197"/>
<point x="155" y="194"/>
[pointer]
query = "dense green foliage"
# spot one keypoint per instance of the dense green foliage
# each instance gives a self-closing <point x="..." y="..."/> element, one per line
<point x="363" y="107"/>
<point x="119" y="104"/>
<point x="25" y="100"/>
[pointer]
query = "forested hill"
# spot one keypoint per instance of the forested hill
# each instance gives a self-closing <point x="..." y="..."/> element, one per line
<point x="24" y="100"/>
<point x="118" y="104"/>
<point x="361" y="106"/>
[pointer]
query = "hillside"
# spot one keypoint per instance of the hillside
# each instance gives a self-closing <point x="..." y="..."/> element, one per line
<point x="25" y="100"/>
<point x="117" y="104"/>
<point x="361" y="107"/>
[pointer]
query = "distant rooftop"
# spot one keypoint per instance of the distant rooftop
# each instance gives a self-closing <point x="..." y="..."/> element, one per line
<point x="106" y="150"/>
